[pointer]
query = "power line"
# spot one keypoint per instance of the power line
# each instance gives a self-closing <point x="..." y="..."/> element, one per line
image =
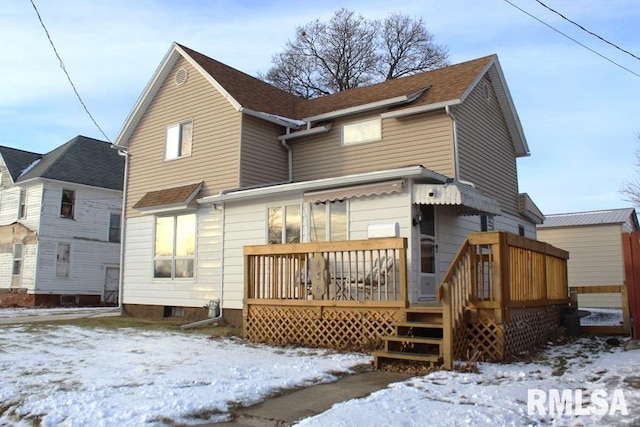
<point x="573" y="40"/>
<point x="587" y="31"/>
<point x="62" y="66"/>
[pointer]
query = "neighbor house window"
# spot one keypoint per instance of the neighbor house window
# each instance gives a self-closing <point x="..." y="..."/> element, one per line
<point x="328" y="221"/>
<point x="521" y="230"/>
<point x="175" y="247"/>
<point x="114" y="228"/>
<point x="67" y="205"/>
<point x="284" y="224"/>
<point x="18" y="253"/>
<point x="63" y="260"/>
<point x="178" y="141"/>
<point x="362" y="131"/>
<point x="22" y="204"/>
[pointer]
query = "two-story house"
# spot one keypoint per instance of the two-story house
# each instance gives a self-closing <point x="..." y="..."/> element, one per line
<point x="218" y="159"/>
<point x="60" y="222"/>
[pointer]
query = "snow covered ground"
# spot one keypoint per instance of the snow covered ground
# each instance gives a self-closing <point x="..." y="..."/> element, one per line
<point x="54" y="375"/>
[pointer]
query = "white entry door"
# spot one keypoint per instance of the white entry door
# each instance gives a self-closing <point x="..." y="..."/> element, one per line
<point x="111" y="287"/>
<point x="428" y="253"/>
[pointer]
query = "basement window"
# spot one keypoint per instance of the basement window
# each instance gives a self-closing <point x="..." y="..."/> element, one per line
<point x="170" y="311"/>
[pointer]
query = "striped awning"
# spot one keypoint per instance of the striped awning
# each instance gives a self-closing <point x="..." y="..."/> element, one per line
<point x="376" y="189"/>
<point x="467" y="197"/>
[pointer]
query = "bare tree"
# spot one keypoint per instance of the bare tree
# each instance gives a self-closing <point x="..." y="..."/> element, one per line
<point x="631" y="189"/>
<point x="350" y="51"/>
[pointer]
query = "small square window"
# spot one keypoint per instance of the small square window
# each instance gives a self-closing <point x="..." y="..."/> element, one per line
<point x="362" y="131"/>
<point x="178" y="141"/>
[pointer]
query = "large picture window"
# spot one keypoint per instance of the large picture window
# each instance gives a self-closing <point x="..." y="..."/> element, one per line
<point x="328" y="221"/>
<point x="178" y="141"/>
<point x="284" y="224"/>
<point x="175" y="247"/>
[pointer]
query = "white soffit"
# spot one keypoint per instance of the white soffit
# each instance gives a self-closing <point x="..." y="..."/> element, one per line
<point x="455" y="194"/>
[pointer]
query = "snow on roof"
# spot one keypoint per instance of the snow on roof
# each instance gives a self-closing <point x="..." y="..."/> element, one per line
<point x="611" y="216"/>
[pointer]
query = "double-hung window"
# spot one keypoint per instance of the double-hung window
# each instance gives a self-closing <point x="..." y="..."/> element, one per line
<point x="18" y="255"/>
<point x="178" y="140"/>
<point x="175" y="247"/>
<point x="22" y="203"/>
<point x="328" y="221"/>
<point x="67" y="203"/>
<point x="114" y="227"/>
<point x="284" y="224"/>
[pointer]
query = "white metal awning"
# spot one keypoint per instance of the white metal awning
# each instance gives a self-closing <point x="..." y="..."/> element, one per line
<point x="376" y="189"/>
<point x="467" y="197"/>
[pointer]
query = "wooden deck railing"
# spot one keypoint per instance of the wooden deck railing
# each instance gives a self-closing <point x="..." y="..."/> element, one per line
<point x="336" y="273"/>
<point x="498" y="270"/>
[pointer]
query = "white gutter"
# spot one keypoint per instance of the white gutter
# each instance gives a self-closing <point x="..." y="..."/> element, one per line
<point x="419" y="109"/>
<point x="279" y="120"/>
<point x="456" y="166"/>
<point x="307" y="132"/>
<point x="407" y="172"/>
<point x="404" y="99"/>
<point x="289" y="157"/>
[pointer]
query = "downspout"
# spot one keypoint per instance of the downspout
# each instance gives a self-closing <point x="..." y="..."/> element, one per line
<point x="289" y="156"/>
<point x="123" y="223"/>
<point x="456" y="167"/>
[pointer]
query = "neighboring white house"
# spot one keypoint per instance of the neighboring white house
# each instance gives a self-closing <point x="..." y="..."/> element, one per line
<point x="60" y="216"/>
<point x="594" y="242"/>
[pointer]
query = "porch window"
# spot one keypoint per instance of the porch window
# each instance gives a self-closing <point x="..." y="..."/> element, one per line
<point x="67" y="204"/>
<point x="178" y="140"/>
<point x="63" y="259"/>
<point x="175" y="247"/>
<point x="284" y="224"/>
<point x="328" y="221"/>
<point x="362" y="131"/>
<point x="114" y="228"/>
<point x="22" y="204"/>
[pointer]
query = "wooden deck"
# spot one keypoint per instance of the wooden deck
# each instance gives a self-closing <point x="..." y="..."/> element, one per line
<point x="503" y="293"/>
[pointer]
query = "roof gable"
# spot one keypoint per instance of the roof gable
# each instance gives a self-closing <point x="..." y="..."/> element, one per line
<point x="81" y="160"/>
<point x="432" y="89"/>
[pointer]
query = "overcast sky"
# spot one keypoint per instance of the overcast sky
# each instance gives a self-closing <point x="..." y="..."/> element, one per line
<point x="579" y="111"/>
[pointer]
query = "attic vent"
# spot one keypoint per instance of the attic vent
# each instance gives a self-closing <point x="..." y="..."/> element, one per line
<point x="486" y="91"/>
<point x="181" y="76"/>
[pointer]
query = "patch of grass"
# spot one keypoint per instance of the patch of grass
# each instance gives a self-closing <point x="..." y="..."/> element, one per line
<point x="560" y="366"/>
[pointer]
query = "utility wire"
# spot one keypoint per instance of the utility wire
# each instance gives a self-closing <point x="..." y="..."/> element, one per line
<point x="587" y="31"/>
<point x="573" y="40"/>
<point x="66" y="73"/>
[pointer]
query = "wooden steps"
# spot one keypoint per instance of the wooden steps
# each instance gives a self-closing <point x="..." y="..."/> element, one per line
<point x="416" y="339"/>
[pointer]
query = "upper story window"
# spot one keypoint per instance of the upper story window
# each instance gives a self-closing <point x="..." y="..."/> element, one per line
<point x="178" y="140"/>
<point x="114" y="228"/>
<point x="284" y="224"/>
<point x="328" y="221"/>
<point x="67" y="205"/>
<point x="22" y="204"/>
<point x="175" y="247"/>
<point x="362" y="131"/>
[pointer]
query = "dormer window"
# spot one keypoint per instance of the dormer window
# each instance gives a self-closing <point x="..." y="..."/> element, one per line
<point x="178" y="140"/>
<point x="362" y="131"/>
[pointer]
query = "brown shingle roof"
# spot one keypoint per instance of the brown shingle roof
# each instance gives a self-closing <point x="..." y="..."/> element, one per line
<point x="169" y="196"/>
<point x="444" y="84"/>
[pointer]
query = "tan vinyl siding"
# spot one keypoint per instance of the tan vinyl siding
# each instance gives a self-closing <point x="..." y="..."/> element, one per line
<point x="423" y="139"/>
<point x="263" y="157"/>
<point x="216" y="139"/>
<point x="485" y="151"/>
<point x="595" y="253"/>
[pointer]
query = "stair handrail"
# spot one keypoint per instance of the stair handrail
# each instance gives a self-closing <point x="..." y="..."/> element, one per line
<point x="455" y="292"/>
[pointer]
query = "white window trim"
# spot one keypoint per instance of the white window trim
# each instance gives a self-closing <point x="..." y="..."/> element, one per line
<point x="283" y="232"/>
<point x="327" y="212"/>
<point x="119" y="228"/>
<point x="22" y="200"/>
<point x="173" y="257"/>
<point x="377" y="137"/>
<point x="178" y="126"/>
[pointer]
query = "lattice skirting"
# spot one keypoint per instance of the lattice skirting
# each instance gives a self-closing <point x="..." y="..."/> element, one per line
<point x="328" y="327"/>
<point x="525" y="329"/>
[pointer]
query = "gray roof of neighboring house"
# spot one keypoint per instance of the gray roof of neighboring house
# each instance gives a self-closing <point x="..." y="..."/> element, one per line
<point x="17" y="160"/>
<point x="81" y="160"/>
<point x="610" y="216"/>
